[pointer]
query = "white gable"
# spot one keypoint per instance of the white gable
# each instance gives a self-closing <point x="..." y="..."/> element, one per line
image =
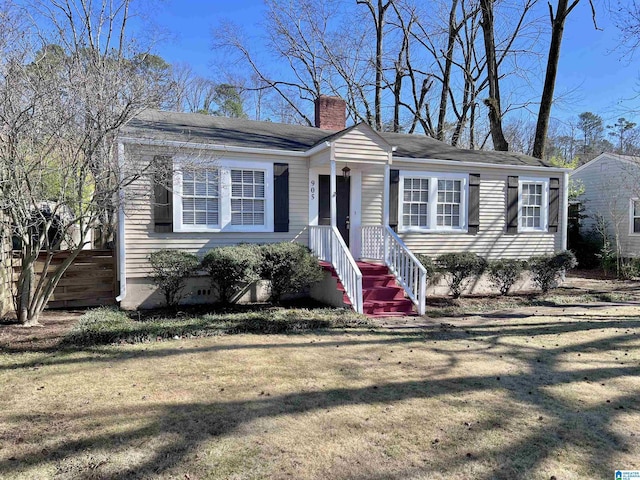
<point x="361" y="144"/>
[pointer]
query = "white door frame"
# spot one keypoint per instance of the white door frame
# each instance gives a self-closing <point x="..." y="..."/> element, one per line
<point x="355" y="204"/>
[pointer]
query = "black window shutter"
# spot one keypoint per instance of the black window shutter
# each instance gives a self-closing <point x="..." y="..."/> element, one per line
<point x="474" y="203"/>
<point x="512" y="206"/>
<point x="394" y="182"/>
<point x="163" y="194"/>
<point x="281" y="197"/>
<point x="554" y="204"/>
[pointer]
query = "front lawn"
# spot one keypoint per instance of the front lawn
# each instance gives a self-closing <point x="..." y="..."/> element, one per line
<point x="526" y="394"/>
<point x="104" y="325"/>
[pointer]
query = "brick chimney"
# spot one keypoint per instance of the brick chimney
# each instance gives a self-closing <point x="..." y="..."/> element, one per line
<point x="331" y="113"/>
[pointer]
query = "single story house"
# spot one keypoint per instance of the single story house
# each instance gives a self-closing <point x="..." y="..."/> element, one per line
<point x="612" y="199"/>
<point x="350" y="194"/>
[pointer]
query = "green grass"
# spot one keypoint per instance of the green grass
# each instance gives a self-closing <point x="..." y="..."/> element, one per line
<point x="105" y="326"/>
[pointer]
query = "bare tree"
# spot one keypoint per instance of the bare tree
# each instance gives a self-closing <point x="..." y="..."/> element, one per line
<point x="627" y="17"/>
<point x="60" y="112"/>
<point x="558" y="19"/>
<point x="378" y="13"/>
<point x="493" y="102"/>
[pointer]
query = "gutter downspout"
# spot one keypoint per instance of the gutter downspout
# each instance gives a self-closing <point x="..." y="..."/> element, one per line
<point x="122" y="261"/>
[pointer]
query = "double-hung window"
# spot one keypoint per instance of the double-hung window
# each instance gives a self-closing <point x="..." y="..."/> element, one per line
<point x="415" y="202"/>
<point x="449" y="198"/>
<point x="247" y="197"/>
<point x="221" y="195"/>
<point x="201" y="197"/>
<point x="634" y="216"/>
<point x="432" y="201"/>
<point x="533" y="201"/>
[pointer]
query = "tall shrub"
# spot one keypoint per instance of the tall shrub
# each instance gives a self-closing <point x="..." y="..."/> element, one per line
<point x="427" y="263"/>
<point x="547" y="269"/>
<point x="230" y="268"/>
<point x="460" y="267"/>
<point x="170" y="271"/>
<point x="290" y="267"/>
<point x="504" y="274"/>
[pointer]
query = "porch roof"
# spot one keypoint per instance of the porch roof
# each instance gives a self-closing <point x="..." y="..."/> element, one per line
<point x="207" y="129"/>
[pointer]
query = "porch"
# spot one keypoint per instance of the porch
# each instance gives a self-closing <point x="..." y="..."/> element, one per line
<point x="339" y="236"/>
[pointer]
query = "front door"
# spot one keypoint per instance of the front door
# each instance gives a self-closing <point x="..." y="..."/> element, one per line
<point x="343" y="188"/>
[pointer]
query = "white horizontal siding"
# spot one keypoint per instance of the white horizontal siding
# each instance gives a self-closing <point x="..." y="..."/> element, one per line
<point x="609" y="185"/>
<point x="141" y="239"/>
<point x="361" y="144"/>
<point x="490" y="242"/>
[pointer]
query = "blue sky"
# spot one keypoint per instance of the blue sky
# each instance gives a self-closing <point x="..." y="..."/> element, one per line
<point x="591" y="76"/>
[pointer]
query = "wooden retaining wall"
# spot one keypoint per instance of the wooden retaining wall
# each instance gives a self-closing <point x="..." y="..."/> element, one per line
<point x="89" y="282"/>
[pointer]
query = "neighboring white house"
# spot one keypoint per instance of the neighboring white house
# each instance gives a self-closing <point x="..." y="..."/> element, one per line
<point x="612" y="194"/>
<point x="348" y="193"/>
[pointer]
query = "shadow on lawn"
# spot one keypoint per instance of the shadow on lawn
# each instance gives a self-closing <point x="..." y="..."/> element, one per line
<point x="189" y="425"/>
<point x="388" y="336"/>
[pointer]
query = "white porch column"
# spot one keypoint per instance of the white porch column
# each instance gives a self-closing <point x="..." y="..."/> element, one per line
<point x="332" y="192"/>
<point x="385" y="204"/>
<point x="385" y="214"/>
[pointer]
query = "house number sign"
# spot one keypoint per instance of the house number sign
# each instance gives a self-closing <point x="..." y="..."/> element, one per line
<point x="312" y="189"/>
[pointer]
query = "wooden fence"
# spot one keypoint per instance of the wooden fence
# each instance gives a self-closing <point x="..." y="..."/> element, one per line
<point x="90" y="281"/>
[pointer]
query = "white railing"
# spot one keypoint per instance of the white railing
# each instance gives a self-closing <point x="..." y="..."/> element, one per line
<point x="382" y="243"/>
<point x="372" y="241"/>
<point x="327" y="244"/>
<point x="320" y="241"/>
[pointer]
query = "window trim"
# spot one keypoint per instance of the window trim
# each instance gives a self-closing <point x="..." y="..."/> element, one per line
<point x="224" y="167"/>
<point x="544" y="207"/>
<point x="432" y="206"/>
<point x="632" y="200"/>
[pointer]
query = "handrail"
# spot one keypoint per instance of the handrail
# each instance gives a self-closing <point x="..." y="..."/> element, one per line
<point x="408" y="270"/>
<point x="327" y="244"/>
<point x="382" y="243"/>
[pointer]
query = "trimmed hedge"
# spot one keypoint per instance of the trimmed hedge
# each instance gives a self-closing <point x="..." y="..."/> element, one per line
<point x="547" y="269"/>
<point x="170" y="270"/>
<point x="461" y="267"/>
<point x="230" y="268"/>
<point x="427" y="263"/>
<point x="290" y="267"/>
<point x="505" y="273"/>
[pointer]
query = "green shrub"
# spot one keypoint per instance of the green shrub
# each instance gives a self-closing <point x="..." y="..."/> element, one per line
<point x="290" y="267"/>
<point x="608" y="257"/>
<point x="427" y="263"/>
<point x="103" y="326"/>
<point x="630" y="268"/>
<point x="460" y="268"/>
<point x="170" y="270"/>
<point x="230" y="268"/>
<point x="504" y="274"/>
<point x="547" y="269"/>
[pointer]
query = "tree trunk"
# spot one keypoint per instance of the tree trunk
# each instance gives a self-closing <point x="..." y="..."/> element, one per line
<point x="446" y="74"/>
<point x="26" y="316"/>
<point x="493" y="102"/>
<point x="378" y="19"/>
<point x="546" y="100"/>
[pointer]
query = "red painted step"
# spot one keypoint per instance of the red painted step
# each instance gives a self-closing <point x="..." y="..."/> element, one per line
<point x="382" y="296"/>
<point x="388" y="308"/>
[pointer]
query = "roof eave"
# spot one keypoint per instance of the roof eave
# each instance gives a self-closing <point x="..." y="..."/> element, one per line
<point x="211" y="146"/>
<point x="463" y="163"/>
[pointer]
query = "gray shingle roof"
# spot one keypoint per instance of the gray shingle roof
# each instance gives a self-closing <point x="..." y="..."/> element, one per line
<point x="197" y="128"/>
